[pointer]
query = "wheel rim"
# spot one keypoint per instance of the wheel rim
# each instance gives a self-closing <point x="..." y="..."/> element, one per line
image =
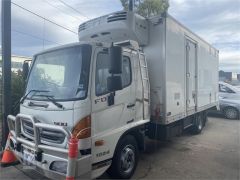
<point x="127" y="159"/>
<point x="231" y="113"/>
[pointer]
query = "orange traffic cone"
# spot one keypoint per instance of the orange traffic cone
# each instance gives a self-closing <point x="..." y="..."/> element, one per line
<point x="8" y="158"/>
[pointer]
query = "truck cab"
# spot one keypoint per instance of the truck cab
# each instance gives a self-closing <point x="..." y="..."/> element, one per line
<point x="92" y="91"/>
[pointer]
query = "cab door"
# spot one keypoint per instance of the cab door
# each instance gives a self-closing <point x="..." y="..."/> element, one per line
<point x="108" y="120"/>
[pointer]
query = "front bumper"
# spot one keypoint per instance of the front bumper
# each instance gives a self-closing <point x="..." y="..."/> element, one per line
<point x="45" y="157"/>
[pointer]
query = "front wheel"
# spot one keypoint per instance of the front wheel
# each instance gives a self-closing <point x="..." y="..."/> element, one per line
<point x="125" y="158"/>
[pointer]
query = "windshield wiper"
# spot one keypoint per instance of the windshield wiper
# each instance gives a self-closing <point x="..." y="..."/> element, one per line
<point x="33" y="90"/>
<point x="24" y="97"/>
<point x="51" y="98"/>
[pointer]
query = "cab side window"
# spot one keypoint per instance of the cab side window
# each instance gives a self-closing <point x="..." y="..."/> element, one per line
<point x="102" y="73"/>
<point x="126" y="72"/>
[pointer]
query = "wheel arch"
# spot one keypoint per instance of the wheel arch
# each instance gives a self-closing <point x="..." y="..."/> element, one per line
<point x="138" y="133"/>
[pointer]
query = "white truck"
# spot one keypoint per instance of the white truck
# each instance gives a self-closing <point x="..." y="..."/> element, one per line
<point x="127" y="79"/>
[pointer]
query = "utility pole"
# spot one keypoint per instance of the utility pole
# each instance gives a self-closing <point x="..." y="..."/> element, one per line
<point x="131" y="5"/>
<point x="6" y="66"/>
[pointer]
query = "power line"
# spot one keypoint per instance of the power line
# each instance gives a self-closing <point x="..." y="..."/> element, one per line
<point x="73" y="9"/>
<point x="60" y="10"/>
<point x="45" y="18"/>
<point x="33" y="36"/>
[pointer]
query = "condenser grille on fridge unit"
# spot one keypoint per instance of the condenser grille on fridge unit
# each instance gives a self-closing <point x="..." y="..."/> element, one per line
<point x="82" y="27"/>
<point x="117" y="17"/>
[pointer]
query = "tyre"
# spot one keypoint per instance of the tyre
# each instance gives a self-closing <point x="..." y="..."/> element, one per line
<point x="205" y="118"/>
<point x="198" y="124"/>
<point x="125" y="158"/>
<point x="231" y="113"/>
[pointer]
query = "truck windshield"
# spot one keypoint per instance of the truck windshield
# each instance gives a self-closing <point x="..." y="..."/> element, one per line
<point x="62" y="74"/>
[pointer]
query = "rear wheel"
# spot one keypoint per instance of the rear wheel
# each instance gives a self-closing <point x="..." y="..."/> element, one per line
<point x="125" y="159"/>
<point x="231" y="113"/>
<point x="198" y="124"/>
<point x="205" y="118"/>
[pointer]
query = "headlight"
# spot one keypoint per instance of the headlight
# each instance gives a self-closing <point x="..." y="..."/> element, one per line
<point x="82" y="129"/>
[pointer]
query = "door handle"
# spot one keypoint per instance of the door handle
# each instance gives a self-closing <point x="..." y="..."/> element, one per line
<point x="130" y="105"/>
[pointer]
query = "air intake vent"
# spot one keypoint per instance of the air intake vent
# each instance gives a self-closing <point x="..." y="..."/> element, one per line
<point x="117" y="17"/>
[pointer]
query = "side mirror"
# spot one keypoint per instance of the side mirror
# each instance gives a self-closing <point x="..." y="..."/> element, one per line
<point x="25" y="70"/>
<point x="115" y="60"/>
<point x="114" y="83"/>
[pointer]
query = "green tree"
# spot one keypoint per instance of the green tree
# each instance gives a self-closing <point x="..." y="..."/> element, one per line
<point x="148" y="8"/>
<point x="17" y="85"/>
<point x="17" y="90"/>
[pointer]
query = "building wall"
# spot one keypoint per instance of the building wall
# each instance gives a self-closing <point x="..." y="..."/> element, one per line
<point x="225" y="76"/>
<point x="17" y="62"/>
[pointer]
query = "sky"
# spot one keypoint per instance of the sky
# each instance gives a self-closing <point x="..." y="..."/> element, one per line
<point x="216" y="21"/>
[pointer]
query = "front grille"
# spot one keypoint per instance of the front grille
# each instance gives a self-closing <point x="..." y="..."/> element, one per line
<point x="52" y="136"/>
<point x="27" y="127"/>
<point x="46" y="135"/>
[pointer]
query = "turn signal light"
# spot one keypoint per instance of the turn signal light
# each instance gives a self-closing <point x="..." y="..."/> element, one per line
<point x="99" y="143"/>
<point x="82" y="129"/>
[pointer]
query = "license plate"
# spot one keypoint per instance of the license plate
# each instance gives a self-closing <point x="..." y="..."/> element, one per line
<point x="28" y="156"/>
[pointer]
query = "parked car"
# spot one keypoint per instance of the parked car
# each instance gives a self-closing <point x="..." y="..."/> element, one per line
<point x="228" y="91"/>
<point x="237" y="86"/>
<point x="229" y="100"/>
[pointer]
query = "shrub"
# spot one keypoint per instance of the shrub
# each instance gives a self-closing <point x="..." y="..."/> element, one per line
<point x="17" y="90"/>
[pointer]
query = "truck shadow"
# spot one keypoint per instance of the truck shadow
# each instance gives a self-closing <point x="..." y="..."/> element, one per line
<point x="217" y="114"/>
